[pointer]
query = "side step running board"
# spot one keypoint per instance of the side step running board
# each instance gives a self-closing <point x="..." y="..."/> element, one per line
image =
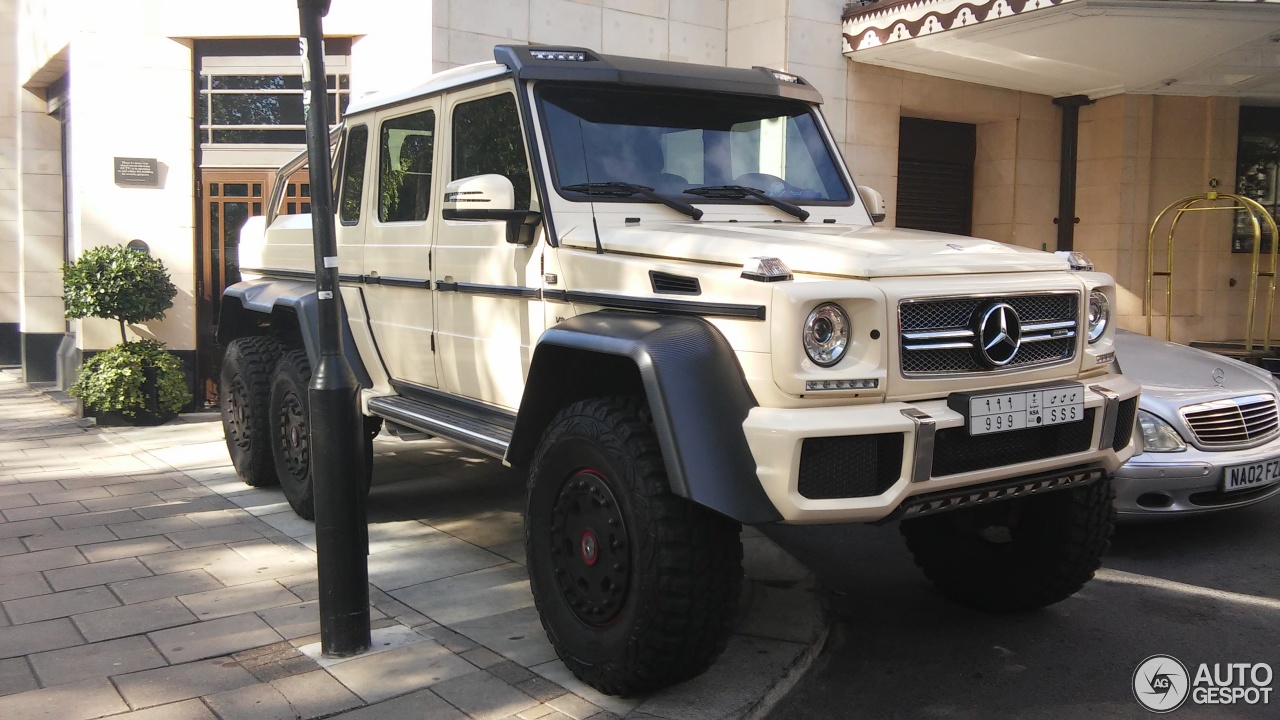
<point x="490" y="439"/>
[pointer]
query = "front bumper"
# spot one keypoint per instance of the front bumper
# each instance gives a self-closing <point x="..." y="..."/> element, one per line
<point x="776" y="437"/>
<point x="1154" y="485"/>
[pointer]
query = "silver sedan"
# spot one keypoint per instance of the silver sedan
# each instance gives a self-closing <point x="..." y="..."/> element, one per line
<point x="1209" y="430"/>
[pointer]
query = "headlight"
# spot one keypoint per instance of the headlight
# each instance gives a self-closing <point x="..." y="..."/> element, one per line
<point x="1158" y="435"/>
<point x="826" y="334"/>
<point x="1099" y="315"/>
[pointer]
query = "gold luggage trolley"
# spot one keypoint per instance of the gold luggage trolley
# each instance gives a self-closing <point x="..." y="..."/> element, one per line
<point x="1247" y="349"/>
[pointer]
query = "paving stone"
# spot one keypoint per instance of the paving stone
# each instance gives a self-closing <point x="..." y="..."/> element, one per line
<point x="558" y="673"/>
<point x="395" y="672"/>
<point x="68" y="538"/>
<point x="518" y="635"/>
<point x="16" y="500"/>
<point x="300" y="619"/>
<point x="483" y="696"/>
<point x="180" y="682"/>
<point x="163" y="586"/>
<point x="113" y="502"/>
<point x="450" y="639"/>
<point x="513" y="551"/>
<point x="133" y="619"/>
<point x="205" y="557"/>
<point x="159" y="526"/>
<point x="222" y="602"/>
<point x="289" y="524"/>
<point x="103" y="659"/>
<point x="20" y="586"/>
<point x="66" y="496"/>
<point x="185" y="710"/>
<point x="574" y="706"/>
<point x="482" y="657"/>
<point x="421" y="705"/>
<point x="256" y="702"/>
<point x="183" y="507"/>
<point x="511" y="673"/>
<point x="16" y="676"/>
<point x="27" y="527"/>
<point x="316" y="694"/>
<point x="214" y="535"/>
<point x="541" y="689"/>
<point x="426" y="561"/>
<point x="213" y="638"/>
<point x="215" y="518"/>
<point x="43" y="511"/>
<point x="491" y="591"/>
<point x="279" y="664"/>
<point x="11" y="546"/>
<point x="70" y="522"/>
<point x="14" y="488"/>
<point x="76" y="701"/>
<point x="143" y="486"/>
<point x="40" y="560"/>
<point x="98" y="573"/>
<point x="262" y="566"/>
<point x="59" y="604"/>
<point x="118" y="549"/>
<point x="539" y="711"/>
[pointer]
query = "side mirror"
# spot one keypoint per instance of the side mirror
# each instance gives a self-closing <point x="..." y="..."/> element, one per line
<point x="490" y="198"/>
<point x="874" y="202"/>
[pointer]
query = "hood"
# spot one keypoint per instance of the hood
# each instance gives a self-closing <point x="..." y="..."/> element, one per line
<point x="828" y="249"/>
<point x="1185" y="374"/>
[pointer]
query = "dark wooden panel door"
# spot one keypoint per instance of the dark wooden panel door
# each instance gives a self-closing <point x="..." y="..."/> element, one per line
<point x="935" y="175"/>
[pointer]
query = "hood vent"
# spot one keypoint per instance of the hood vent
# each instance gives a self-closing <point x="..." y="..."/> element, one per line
<point x="668" y="284"/>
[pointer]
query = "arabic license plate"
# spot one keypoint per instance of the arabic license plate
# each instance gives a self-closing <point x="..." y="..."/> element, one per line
<point x="1253" y="475"/>
<point x="1007" y="411"/>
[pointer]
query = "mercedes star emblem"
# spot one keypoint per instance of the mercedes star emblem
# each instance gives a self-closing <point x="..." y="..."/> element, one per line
<point x="999" y="334"/>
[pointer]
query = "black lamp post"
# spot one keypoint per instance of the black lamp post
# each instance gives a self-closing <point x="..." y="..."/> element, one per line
<point x="341" y="531"/>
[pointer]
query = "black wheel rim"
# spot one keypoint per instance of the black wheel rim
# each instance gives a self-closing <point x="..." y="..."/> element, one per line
<point x="293" y="434"/>
<point x="237" y="421"/>
<point x="590" y="551"/>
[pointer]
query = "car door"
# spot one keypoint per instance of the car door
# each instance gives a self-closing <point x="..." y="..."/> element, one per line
<point x="398" y="236"/>
<point x="488" y="291"/>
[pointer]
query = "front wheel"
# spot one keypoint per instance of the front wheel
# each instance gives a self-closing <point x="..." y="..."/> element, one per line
<point x="637" y="588"/>
<point x="1016" y="555"/>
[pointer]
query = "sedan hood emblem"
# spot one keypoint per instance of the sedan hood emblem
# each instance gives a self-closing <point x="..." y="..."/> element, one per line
<point x="1218" y="376"/>
<point x="999" y="332"/>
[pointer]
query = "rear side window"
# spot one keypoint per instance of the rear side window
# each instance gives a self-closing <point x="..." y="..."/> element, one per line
<point x="404" y="177"/>
<point x="487" y="139"/>
<point x="353" y="174"/>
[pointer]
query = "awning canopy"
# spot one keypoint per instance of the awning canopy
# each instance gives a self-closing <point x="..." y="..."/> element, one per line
<point x="1079" y="47"/>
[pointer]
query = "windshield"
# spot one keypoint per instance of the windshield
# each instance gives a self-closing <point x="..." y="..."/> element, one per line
<point x="674" y="142"/>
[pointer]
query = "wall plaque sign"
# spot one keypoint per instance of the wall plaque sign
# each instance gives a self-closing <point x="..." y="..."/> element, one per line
<point x="144" y="172"/>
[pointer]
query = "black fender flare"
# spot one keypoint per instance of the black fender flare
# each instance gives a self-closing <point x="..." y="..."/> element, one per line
<point x="248" y="303"/>
<point x="695" y="389"/>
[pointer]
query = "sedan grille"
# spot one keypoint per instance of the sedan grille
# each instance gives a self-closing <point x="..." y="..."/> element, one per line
<point x="939" y="336"/>
<point x="1234" y="421"/>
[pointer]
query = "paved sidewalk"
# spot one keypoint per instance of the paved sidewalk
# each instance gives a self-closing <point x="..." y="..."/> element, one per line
<point x="139" y="578"/>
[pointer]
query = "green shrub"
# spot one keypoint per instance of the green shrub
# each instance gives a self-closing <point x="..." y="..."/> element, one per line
<point x="117" y="283"/>
<point x="112" y="380"/>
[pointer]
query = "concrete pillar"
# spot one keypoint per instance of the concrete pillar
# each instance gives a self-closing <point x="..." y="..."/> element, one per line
<point x="10" y="332"/>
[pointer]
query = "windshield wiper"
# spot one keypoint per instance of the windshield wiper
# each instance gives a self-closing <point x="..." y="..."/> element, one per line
<point x="741" y="191"/>
<point x="622" y="189"/>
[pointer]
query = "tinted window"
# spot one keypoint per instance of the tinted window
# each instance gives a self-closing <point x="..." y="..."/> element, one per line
<point x="353" y="174"/>
<point x="404" y="177"/>
<point x="486" y="139"/>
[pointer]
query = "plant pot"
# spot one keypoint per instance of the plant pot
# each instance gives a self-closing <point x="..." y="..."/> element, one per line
<point x="149" y="414"/>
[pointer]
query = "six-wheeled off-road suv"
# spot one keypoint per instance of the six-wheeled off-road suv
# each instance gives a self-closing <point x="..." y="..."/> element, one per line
<point x="656" y="287"/>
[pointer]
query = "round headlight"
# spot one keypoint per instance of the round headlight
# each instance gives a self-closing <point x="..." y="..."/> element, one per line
<point x="826" y="334"/>
<point x="1099" y="315"/>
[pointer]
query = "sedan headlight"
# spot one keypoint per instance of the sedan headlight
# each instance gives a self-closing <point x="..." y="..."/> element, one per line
<point x="826" y="334"/>
<point x="1158" y="435"/>
<point x="1099" y="315"/>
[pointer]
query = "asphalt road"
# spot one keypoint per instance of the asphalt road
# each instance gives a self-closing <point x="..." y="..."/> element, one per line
<point x="1202" y="590"/>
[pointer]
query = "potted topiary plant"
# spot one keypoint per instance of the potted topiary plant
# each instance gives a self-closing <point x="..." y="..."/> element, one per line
<point x="134" y="382"/>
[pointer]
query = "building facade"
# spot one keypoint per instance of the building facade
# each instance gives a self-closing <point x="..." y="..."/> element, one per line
<point x="162" y="122"/>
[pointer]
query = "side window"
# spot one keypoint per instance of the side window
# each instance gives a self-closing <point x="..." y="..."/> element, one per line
<point x="404" y="174"/>
<point x="487" y="139"/>
<point x="353" y="174"/>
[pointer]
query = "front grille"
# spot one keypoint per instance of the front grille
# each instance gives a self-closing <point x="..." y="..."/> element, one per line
<point x="939" y="335"/>
<point x="849" y="466"/>
<point x="1234" y="421"/>
<point x="1124" y="423"/>
<point x="955" y="451"/>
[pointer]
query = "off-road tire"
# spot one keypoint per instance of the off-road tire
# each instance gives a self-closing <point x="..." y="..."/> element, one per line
<point x="1054" y="544"/>
<point x="244" y="392"/>
<point x="290" y="428"/>
<point x="681" y="563"/>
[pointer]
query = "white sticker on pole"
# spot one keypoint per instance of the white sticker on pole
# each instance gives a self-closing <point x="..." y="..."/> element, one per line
<point x="325" y="294"/>
<point x="331" y="261"/>
<point x="306" y="66"/>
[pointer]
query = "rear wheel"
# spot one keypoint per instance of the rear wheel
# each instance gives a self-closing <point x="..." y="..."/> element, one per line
<point x="290" y="431"/>
<point x="637" y="588"/>
<point x="1016" y="555"/>
<point x="244" y="392"/>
